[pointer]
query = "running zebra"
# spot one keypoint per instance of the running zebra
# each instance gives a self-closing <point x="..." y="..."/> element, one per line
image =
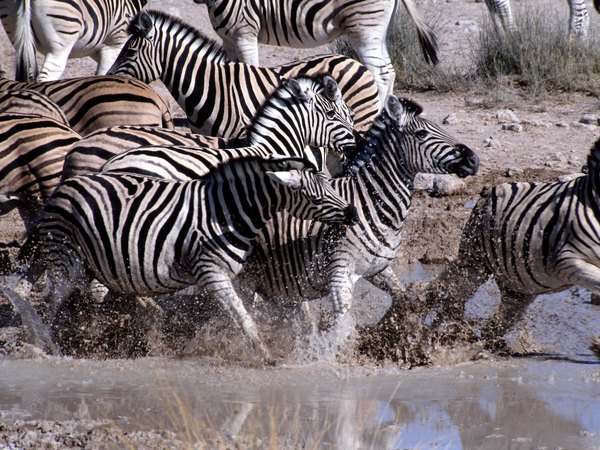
<point x="301" y="112"/>
<point x="220" y="97"/>
<point x="93" y="103"/>
<point x="295" y="260"/>
<point x="579" y="19"/>
<point x="531" y="238"/>
<point x="242" y="24"/>
<point x="32" y="153"/>
<point x="28" y="101"/>
<point x="65" y="29"/>
<point x="147" y="236"/>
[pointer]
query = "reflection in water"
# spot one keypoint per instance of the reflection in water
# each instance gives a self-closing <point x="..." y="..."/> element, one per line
<point x="507" y="404"/>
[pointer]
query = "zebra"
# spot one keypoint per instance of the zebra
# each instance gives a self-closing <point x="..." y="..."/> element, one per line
<point x="148" y="236"/>
<point x="531" y="238"/>
<point x="302" y="111"/>
<point x="295" y="260"/>
<point x="579" y="19"/>
<point x="65" y="29"/>
<point x="32" y="153"/>
<point x="310" y="23"/>
<point x="28" y="101"/>
<point x="220" y="97"/>
<point x="96" y="102"/>
<point x="291" y="119"/>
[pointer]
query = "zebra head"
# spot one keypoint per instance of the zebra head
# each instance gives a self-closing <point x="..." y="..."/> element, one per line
<point x="305" y="111"/>
<point x="307" y="193"/>
<point x="146" y="53"/>
<point x="425" y="146"/>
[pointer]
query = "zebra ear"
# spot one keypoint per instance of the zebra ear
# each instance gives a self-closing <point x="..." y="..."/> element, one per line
<point x="332" y="90"/>
<point x="297" y="91"/>
<point x="289" y="178"/>
<point x="141" y="25"/>
<point x="401" y="110"/>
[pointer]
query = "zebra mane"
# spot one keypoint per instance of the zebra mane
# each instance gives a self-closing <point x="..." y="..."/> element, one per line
<point x="593" y="159"/>
<point x="275" y="163"/>
<point x="369" y="144"/>
<point x="141" y="24"/>
<point x="272" y="102"/>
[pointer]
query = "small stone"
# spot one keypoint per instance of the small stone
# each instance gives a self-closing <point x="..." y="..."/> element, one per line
<point x="589" y="119"/>
<point x="492" y="143"/>
<point x="511" y="172"/>
<point x="516" y="127"/>
<point x="507" y="116"/>
<point x="451" y="119"/>
<point x="562" y="125"/>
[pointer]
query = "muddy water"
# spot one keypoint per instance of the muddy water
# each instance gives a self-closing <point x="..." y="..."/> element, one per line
<point x="549" y="401"/>
<point x="518" y="403"/>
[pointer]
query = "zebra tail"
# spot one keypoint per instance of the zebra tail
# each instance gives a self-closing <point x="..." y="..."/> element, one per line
<point x="25" y="59"/>
<point x="425" y="34"/>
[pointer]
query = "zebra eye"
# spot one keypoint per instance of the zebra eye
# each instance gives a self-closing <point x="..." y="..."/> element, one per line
<point x="330" y="114"/>
<point x="421" y="134"/>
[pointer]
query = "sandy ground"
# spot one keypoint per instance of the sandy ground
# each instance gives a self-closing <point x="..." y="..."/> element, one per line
<point x="549" y="141"/>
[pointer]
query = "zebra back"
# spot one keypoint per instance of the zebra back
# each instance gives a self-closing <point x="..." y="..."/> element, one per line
<point x="90" y="153"/>
<point x="32" y="152"/>
<point x="29" y="101"/>
<point x="199" y="75"/>
<point x="92" y="103"/>
<point x="294" y="117"/>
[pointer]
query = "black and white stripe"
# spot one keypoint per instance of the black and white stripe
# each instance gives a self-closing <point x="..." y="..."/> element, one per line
<point x="220" y="97"/>
<point x="531" y="238"/>
<point x="93" y="103"/>
<point x="303" y="111"/>
<point x="65" y="29"/>
<point x="32" y="153"/>
<point x="294" y="117"/>
<point x="242" y="24"/>
<point x="146" y="236"/>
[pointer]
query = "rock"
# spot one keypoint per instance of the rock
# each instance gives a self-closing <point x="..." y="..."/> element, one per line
<point x="511" y="172"/>
<point x="562" y="125"/>
<point x="516" y="127"/>
<point x="590" y="119"/>
<point x="451" y="119"/>
<point x="492" y="143"/>
<point x="507" y="116"/>
<point x="439" y="185"/>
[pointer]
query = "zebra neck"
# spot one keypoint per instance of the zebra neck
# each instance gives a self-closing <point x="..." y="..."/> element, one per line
<point x="186" y="60"/>
<point x="275" y="132"/>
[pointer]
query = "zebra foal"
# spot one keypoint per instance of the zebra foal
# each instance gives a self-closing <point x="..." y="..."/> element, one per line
<point x="220" y="97"/>
<point x="531" y="238"/>
<point x="93" y="103"/>
<point x="242" y="24"/>
<point x="147" y="236"/>
<point x="301" y="112"/>
<point x="65" y="29"/>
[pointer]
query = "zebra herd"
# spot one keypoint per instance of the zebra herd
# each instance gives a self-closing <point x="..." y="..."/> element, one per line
<point x="293" y="183"/>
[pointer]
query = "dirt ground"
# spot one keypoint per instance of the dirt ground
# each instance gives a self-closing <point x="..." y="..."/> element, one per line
<point x="537" y="139"/>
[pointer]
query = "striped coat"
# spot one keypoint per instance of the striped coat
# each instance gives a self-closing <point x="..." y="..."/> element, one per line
<point x="93" y="103"/>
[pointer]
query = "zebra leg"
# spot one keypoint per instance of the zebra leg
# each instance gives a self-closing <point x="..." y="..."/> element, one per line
<point x="372" y="52"/>
<point x="105" y="57"/>
<point x="224" y="292"/>
<point x="579" y="19"/>
<point x="501" y="14"/>
<point x="512" y="307"/>
<point x="387" y="281"/>
<point x="341" y="283"/>
<point x="246" y="49"/>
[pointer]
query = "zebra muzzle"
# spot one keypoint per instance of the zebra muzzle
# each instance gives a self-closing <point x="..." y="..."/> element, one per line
<point x="350" y="215"/>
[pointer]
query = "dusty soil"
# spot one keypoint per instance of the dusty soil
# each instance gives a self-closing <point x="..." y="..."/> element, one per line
<point x="544" y="139"/>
